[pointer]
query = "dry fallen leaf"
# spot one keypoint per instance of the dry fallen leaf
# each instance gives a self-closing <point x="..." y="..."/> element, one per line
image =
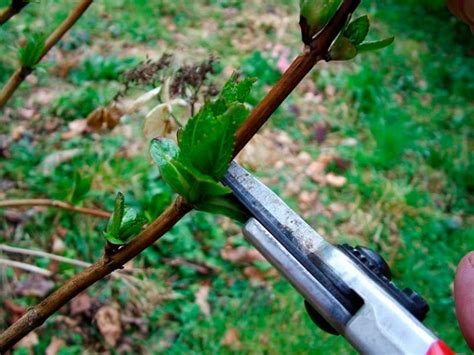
<point x="307" y="200"/>
<point x="35" y="285"/>
<point x="201" y="268"/>
<point x="81" y="304"/>
<point x="57" y="158"/>
<point x="16" y="310"/>
<point x="158" y="122"/>
<point x="201" y="299"/>
<point x="316" y="170"/>
<point x="42" y="96"/>
<point x="18" y="132"/>
<point x="232" y="339"/>
<point x="76" y="128"/>
<point x="105" y="117"/>
<point x="320" y="133"/>
<point x="335" y="180"/>
<point x="142" y="100"/>
<point x="294" y="186"/>
<point x="266" y="149"/>
<point x="337" y="207"/>
<point x="108" y="322"/>
<point x="55" y="345"/>
<point x="113" y="115"/>
<point x="256" y="276"/>
<point x="30" y="340"/>
<point x="58" y="246"/>
<point x="241" y="254"/>
<point x="342" y="164"/>
<point x="95" y="119"/>
<point x="26" y="113"/>
<point x="15" y="216"/>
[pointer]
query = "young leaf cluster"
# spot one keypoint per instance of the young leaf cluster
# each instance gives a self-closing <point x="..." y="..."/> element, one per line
<point x="124" y="223"/>
<point x="30" y="54"/>
<point x="194" y="166"/>
<point x="315" y="15"/>
<point x="351" y="40"/>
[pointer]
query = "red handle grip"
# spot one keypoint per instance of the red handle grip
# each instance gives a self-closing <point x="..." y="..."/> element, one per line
<point x="439" y="348"/>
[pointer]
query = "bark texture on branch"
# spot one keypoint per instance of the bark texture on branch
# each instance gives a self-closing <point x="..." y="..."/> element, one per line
<point x="21" y="73"/>
<point x="287" y="83"/>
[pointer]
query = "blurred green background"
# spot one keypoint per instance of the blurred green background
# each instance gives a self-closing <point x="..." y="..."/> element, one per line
<point x="376" y="151"/>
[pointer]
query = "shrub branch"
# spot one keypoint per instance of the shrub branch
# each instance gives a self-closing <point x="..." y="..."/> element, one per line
<point x="14" y="8"/>
<point x="287" y="83"/>
<point x="22" y="72"/>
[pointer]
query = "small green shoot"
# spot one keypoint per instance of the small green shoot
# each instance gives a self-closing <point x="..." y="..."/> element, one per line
<point x="375" y="45"/>
<point x="124" y="223"/>
<point x="351" y="41"/>
<point x="357" y="30"/>
<point x="315" y="15"/>
<point x="194" y="167"/>
<point x="30" y="54"/>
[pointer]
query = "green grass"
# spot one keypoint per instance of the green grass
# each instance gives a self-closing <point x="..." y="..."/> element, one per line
<point x="407" y="111"/>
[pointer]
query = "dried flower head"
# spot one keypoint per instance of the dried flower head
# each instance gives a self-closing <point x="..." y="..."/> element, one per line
<point x="148" y="71"/>
<point x="192" y="75"/>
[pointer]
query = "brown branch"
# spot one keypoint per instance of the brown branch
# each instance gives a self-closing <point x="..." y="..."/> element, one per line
<point x="289" y="80"/>
<point x="38" y="314"/>
<point x="21" y="73"/>
<point x="15" y="7"/>
<point x="54" y="203"/>
<point x="298" y="69"/>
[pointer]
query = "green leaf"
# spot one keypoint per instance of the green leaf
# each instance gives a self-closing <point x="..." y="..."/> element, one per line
<point x="357" y="30"/>
<point x="175" y="179"/>
<point x="342" y="49"/>
<point x="115" y="220"/>
<point x="373" y="46"/>
<point x="315" y="15"/>
<point x="30" y="54"/>
<point x="225" y="205"/>
<point x="211" y="151"/>
<point x="207" y="141"/>
<point x="181" y="176"/>
<point x="162" y="150"/>
<point x="131" y="224"/>
<point x="124" y="223"/>
<point x="206" y="144"/>
<point x="81" y="188"/>
<point x="114" y="240"/>
<point x="235" y="90"/>
<point x="199" y="187"/>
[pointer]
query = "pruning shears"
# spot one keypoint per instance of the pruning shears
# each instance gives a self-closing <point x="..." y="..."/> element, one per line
<point x="347" y="290"/>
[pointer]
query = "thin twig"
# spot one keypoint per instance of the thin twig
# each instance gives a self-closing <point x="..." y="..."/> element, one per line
<point x="54" y="203"/>
<point x="14" y="8"/>
<point x="21" y="73"/>
<point x="14" y="250"/>
<point x="26" y="267"/>
<point x="298" y="69"/>
<point x="289" y="80"/>
<point x="103" y="267"/>
<point x="42" y="254"/>
<point x="121" y="274"/>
